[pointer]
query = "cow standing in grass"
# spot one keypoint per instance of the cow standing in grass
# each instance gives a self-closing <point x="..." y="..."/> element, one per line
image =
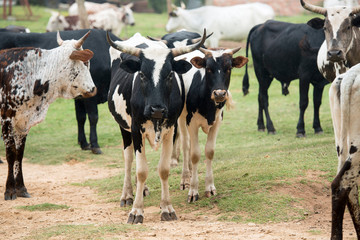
<point x="146" y="98"/>
<point x="30" y="80"/>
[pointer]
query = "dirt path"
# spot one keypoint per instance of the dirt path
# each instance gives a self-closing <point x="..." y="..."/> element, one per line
<point x="50" y="184"/>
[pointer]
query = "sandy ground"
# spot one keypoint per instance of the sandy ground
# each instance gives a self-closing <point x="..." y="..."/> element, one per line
<point x="50" y="184"/>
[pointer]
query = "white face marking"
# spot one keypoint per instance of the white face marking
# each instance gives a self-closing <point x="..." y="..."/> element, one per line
<point x="120" y="106"/>
<point x="159" y="55"/>
<point x="336" y="16"/>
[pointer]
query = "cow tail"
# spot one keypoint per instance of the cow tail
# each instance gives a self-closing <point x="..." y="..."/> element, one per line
<point x="245" y="82"/>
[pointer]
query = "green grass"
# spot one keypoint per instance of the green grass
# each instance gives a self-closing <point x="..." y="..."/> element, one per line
<point x="43" y="207"/>
<point x="248" y="165"/>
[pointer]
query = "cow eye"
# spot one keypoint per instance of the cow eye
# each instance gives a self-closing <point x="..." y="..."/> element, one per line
<point x="142" y="76"/>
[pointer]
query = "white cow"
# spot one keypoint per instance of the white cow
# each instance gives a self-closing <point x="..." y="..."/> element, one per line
<point x="90" y="7"/>
<point x="333" y="3"/>
<point x="233" y="22"/>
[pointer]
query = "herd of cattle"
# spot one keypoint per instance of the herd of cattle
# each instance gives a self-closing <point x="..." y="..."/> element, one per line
<point x="162" y="89"/>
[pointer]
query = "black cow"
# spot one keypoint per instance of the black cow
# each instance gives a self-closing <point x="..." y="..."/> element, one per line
<point x="100" y="72"/>
<point x="146" y="98"/>
<point x="286" y="51"/>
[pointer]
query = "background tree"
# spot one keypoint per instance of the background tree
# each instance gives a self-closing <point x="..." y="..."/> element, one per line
<point x="83" y="16"/>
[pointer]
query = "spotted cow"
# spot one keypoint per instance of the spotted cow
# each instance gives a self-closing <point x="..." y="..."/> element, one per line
<point x="146" y="98"/>
<point x="30" y="80"/>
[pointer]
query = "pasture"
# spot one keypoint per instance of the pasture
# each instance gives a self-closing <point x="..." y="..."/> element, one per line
<point x="268" y="186"/>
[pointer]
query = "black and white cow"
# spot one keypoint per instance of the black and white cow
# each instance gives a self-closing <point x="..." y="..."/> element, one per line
<point x="339" y="52"/>
<point x="146" y="98"/>
<point x="206" y="88"/>
<point x="100" y="72"/>
<point x="286" y="51"/>
<point x="30" y="80"/>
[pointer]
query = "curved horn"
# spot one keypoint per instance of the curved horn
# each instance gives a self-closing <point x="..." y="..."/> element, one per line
<point x="58" y="38"/>
<point x="355" y="10"/>
<point x="235" y="50"/>
<point x="81" y="41"/>
<point x="195" y="40"/>
<point x="125" y="49"/>
<point x="313" y="8"/>
<point x="182" y="50"/>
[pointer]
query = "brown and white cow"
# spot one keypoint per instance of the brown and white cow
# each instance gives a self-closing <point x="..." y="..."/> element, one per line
<point x="30" y="80"/>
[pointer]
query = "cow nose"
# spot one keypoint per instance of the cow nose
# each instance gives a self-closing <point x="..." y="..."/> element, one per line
<point x="157" y="113"/>
<point x="132" y="24"/>
<point x="334" y="55"/>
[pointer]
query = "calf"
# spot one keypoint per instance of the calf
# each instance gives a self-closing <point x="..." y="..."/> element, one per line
<point x="206" y="88"/>
<point x="30" y="80"/>
<point x="146" y="98"/>
<point x="286" y="51"/>
<point x="344" y="104"/>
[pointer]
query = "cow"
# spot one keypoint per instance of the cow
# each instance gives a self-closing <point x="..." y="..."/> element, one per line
<point x="333" y="3"/>
<point x="30" y="80"/>
<point x="146" y="98"/>
<point x="207" y="92"/>
<point x="344" y="105"/>
<point x="338" y="52"/>
<point x="286" y="51"/>
<point x="233" y="22"/>
<point x="15" y="29"/>
<point x="92" y="7"/>
<point x="100" y="71"/>
<point x="111" y="19"/>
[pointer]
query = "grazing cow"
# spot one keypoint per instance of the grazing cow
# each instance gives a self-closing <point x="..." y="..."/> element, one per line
<point x="286" y="51"/>
<point x="100" y="71"/>
<point x="30" y="80"/>
<point x="146" y="98"/>
<point x="206" y="88"/>
<point x="233" y="22"/>
<point x="339" y="52"/>
<point x="344" y="104"/>
<point x="111" y="19"/>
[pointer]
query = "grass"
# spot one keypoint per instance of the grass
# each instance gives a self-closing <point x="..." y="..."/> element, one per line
<point x="248" y="165"/>
<point x="43" y="207"/>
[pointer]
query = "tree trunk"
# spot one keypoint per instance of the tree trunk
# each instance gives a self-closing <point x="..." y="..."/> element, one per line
<point x="83" y="16"/>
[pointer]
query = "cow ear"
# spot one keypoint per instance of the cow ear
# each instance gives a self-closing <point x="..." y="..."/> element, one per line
<point x="181" y="66"/>
<point x="130" y="66"/>
<point x="198" y="62"/>
<point x="316" y="23"/>
<point x="239" y="61"/>
<point x="356" y="21"/>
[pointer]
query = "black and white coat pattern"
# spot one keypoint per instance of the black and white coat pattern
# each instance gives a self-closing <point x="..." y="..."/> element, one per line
<point x="146" y="98"/>
<point x="30" y="80"/>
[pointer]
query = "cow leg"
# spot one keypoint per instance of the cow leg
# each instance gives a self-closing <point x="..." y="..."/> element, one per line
<point x="176" y="149"/>
<point x="137" y="212"/>
<point x="127" y="196"/>
<point x="263" y="100"/>
<point x="317" y="98"/>
<point x="81" y="118"/>
<point x="209" y="154"/>
<point x="354" y="208"/>
<point x="303" y="104"/>
<point x="93" y="115"/>
<point x="339" y="201"/>
<point x="21" y="190"/>
<point x="167" y="210"/>
<point x="185" y="142"/>
<point x="193" y="194"/>
<point x="10" y="148"/>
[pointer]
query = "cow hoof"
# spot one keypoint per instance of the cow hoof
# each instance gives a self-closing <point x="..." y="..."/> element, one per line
<point x="184" y="186"/>
<point x="300" y="135"/>
<point x="10" y="195"/>
<point x="85" y="147"/>
<point x="174" y="163"/>
<point x="319" y="131"/>
<point x="261" y="129"/>
<point x="22" y="193"/>
<point x="165" y="216"/>
<point x="193" y="198"/>
<point x="1" y="161"/>
<point x="210" y="193"/>
<point x="272" y="132"/>
<point x="96" y="151"/>
<point x="127" y="202"/>
<point x="135" y="219"/>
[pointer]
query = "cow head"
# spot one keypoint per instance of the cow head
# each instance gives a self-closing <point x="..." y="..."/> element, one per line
<point x="127" y="14"/>
<point x="156" y="70"/>
<point x="218" y="65"/>
<point x="340" y="25"/>
<point x="75" y="70"/>
<point x="57" y="22"/>
<point x="175" y="18"/>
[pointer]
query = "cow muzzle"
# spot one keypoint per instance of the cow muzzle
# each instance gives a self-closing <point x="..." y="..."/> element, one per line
<point x="90" y="93"/>
<point x="158" y="113"/>
<point x="219" y="96"/>
<point x="335" y="55"/>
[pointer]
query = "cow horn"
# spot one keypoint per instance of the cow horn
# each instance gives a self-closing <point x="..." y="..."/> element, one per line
<point x="58" y="38"/>
<point x="182" y="50"/>
<point x="195" y="40"/>
<point x="81" y="41"/>
<point x="355" y="10"/>
<point x="235" y="50"/>
<point x="313" y="8"/>
<point x="125" y="49"/>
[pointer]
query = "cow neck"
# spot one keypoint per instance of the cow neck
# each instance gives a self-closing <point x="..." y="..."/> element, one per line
<point x="188" y="20"/>
<point x="352" y="55"/>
